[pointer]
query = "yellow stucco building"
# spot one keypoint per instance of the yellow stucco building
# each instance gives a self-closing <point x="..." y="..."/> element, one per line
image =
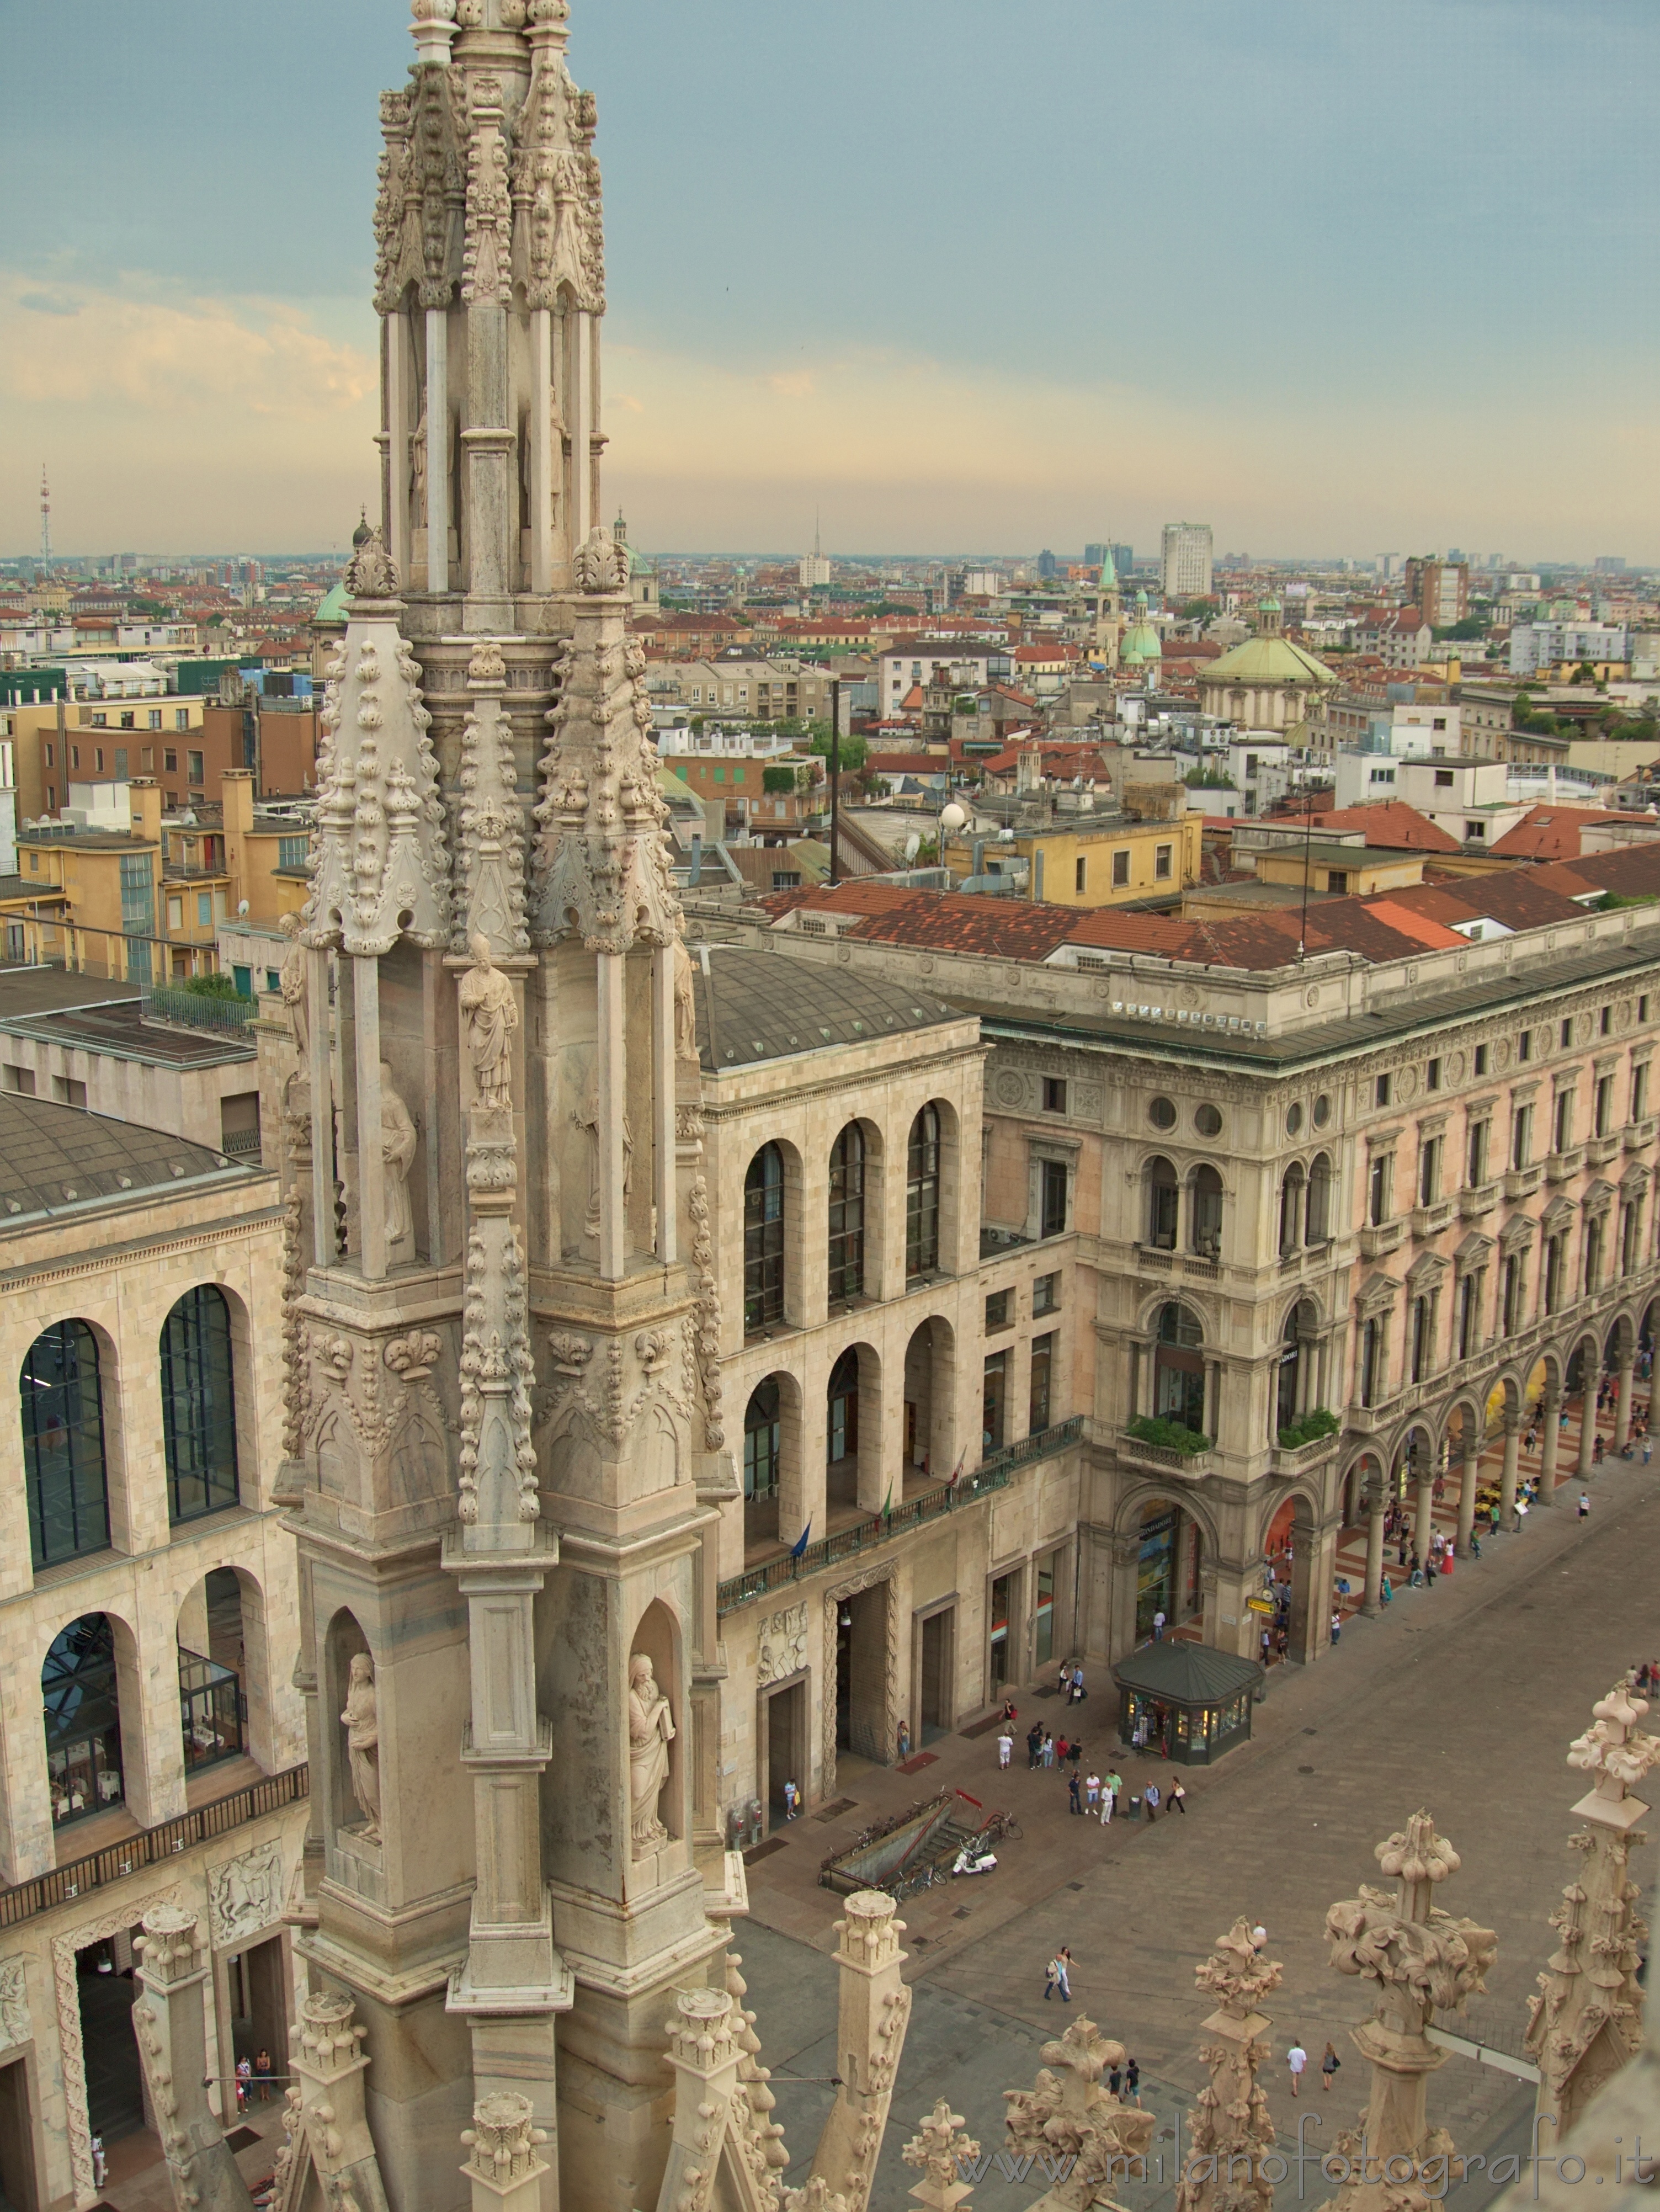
<point x="1093" y="867"/>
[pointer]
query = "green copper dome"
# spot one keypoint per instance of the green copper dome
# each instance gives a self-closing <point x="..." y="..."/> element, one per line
<point x="1141" y="644"/>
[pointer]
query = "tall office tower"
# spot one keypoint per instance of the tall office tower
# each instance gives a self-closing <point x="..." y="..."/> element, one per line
<point x="1184" y="568"/>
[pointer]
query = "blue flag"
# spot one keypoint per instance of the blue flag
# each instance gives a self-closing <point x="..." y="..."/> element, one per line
<point x="800" y="1543"/>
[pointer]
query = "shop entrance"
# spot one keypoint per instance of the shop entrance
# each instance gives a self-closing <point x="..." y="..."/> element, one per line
<point x="936" y="1671"/>
<point x="861" y="1673"/>
<point x="115" y="2089"/>
<point x="1003" y="1668"/>
<point x="1167" y="1578"/>
<point x="17" y="2145"/>
<point x="257" y="1993"/>
<point x="786" y="1748"/>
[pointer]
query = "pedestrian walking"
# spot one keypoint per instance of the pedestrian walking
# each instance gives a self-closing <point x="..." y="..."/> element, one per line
<point x="1259" y="1936"/>
<point x="1297" y="2058"/>
<point x="1005" y="1747"/>
<point x="1111" y="1794"/>
<point x="1132" y="2082"/>
<point x="1065" y="1683"/>
<point x="1079" y="1693"/>
<point x="1051" y="1978"/>
<point x="1329" y="2062"/>
<point x="1049" y="1749"/>
<point x="262" y="2074"/>
<point x="1337" y="1626"/>
<point x="1648" y="1444"/>
<point x="244" y="2078"/>
<point x="1115" y="2080"/>
<point x="792" y="1800"/>
<point x="100" y="2163"/>
<point x="1091" y="1794"/>
<point x="1063" y="1973"/>
<point x="1585" y="1505"/>
<point x="1158" y="1627"/>
<point x="1150" y="1799"/>
<point x="1178" y="1799"/>
<point x="1063" y="1750"/>
<point x="904" y="1741"/>
<point x="1034" y="1744"/>
<point x="1072" y="1791"/>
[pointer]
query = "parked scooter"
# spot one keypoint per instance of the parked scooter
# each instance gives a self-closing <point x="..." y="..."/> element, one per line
<point x="971" y="1861"/>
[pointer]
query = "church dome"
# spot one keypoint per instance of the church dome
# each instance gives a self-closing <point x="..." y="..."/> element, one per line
<point x="362" y="534"/>
<point x="1268" y="660"/>
<point x="1141" y="644"/>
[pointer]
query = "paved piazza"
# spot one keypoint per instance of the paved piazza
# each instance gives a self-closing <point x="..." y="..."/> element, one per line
<point x="1463" y="1699"/>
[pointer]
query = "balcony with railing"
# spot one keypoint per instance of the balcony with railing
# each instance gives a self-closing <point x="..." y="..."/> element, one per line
<point x="873" y="1530"/>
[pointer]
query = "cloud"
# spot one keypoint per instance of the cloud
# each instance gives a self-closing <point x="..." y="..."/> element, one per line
<point x="48" y="303"/>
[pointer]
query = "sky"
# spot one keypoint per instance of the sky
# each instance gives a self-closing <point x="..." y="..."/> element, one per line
<point x="958" y="275"/>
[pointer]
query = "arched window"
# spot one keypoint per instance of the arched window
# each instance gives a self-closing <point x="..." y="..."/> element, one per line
<point x="846" y="1214"/>
<point x="1207" y="1215"/>
<point x="198" y="1405"/>
<point x="63" y="1421"/>
<point x="1161" y="1204"/>
<point x="83" y="1716"/>
<point x="1291" y="1193"/>
<point x="842" y="1427"/>
<point x="922" y="1194"/>
<point x="763" y="1240"/>
<point x="1318" y="1228"/>
<point x="761" y="1435"/>
<point x="1179" y="1368"/>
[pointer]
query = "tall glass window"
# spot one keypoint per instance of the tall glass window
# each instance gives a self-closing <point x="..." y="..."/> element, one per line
<point x="763" y="1240"/>
<point x="846" y="1214"/>
<point x="62" y="1422"/>
<point x="82" y="1720"/>
<point x="198" y="1407"/>
<point x="1042" y="1372"/>
<point x="761" y="1441"/>
<point x="922" y="1194"/>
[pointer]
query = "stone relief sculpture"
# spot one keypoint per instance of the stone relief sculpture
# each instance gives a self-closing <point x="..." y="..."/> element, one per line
<point x="245" y="1894"/>
<point x="362" y="1725"/>
<point x="587" y="1121"/>
<point x="651" y="1731"/>
<point x="15" y="2026"/>
<point x="601" y="564"/>
<point x="292" y="983"/>
<point x="490" y="1010"/>
<point x="397" y="1142"/>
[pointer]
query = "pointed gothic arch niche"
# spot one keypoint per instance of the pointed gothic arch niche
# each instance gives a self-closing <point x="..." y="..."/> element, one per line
<point x="659" y="1636"/>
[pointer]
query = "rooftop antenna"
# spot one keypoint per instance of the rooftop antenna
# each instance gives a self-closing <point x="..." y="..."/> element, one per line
<point x="46" y="520"/>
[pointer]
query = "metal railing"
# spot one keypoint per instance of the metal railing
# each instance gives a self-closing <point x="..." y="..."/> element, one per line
<point x="230" y="1017"/>
<point x="995" y="1473"/>
<point x="44" y="1892"/>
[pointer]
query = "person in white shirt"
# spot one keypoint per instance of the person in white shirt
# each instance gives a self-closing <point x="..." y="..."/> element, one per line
<point x="1158" y="1627"/>
<point x="1297" y="2058"/>
<point x="1005" y="1748"/>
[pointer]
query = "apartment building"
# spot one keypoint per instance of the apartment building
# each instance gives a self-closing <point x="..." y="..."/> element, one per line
<point x="1125" y="860"/>
<point x="150" y="1594"/>
<point x="1184" y="562"/>
<point x="1440" y="590"/>
<point x="88" y="742"/>
<point x="900" y="1361"/>
<point x="1341" y="1219"/>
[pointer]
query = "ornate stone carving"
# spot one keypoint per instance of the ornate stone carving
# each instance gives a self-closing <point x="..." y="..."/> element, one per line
<point x="651" y="1731"/>
<point x="849" y="1587"/>
<point x="708" y="1315"/>
<point x="372" y="574"/>
<point x="1230" y="2130"/>
<point x="379" y="867"/>
<point x="397" y="1143"/>
<point x="490" y="858"/>
<point x="1067" y="2116"/>
<point x="293" y="981"/>
<point x="489" y="1014"/>
<point x="67" y="2001"/>
<point x="601" y="861"/>
<point x="413" y="1357"/>
<point x="296" y="1368"/>
<point x="782" y="1644"/>
<point x="15" y="2026"/>
<point x="487" y="246"/>
<point x="1586" y="2023"/>
<point x="685" y="1006"/>
<point x="600" y="564"/>
<point x="1422" y="1960"/>
<point x="245" y="1895"/>
<point x="362" y="1725"/>
<point x="498" y="1369"/>
<point x="938" y="2151"/>
<point x="760" y="2138"/>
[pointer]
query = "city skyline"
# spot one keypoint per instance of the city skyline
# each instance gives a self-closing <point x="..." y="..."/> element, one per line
<point x="1338" y="334"/>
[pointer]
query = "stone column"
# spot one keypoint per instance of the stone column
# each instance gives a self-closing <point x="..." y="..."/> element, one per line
<point x="371" y="1165"/>
<point x="1372" y="1602"/>
<point x="1424" y="1512"/>
<point x="1550" y="1413"/>
<point x="325" y="2058"/>
<point x="170" y="2021"/>
<point x="1587" y="1426"/>
<point x="321" y="1072"/>
<point x="1229" y="2131"/>
<point x="1507" y="1480"/>
<point x="438" y="450"/>
<point x="1622" y="1404"/>
<point x="612" y="1092"/>
<point x="1467" y="1488"/>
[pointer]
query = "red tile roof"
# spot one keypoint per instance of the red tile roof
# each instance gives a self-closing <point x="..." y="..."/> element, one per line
<point x="969" y="921"/>
<point x="1552" y="832"/>
<point x="1391" y="823"/>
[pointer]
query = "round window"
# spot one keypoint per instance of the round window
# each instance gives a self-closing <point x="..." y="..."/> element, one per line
<point x="1162" y="1114"/>
<point x="1293" y="1119"/>
<point x="1322" y="1111"/>
<point x="1207" y="1121"/>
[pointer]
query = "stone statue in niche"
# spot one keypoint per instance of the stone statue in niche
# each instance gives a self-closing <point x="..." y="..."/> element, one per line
<point x="490" y="1010"/>
<point x="686" y="1005"/>
<point x="361" y="1722"/>
<point x="651" y="1731"/>
<point x="397" y="1141"/>
<point x="294" y="984"/>
<point x="588" y="1121"/>
<point x="418" y="473"/>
